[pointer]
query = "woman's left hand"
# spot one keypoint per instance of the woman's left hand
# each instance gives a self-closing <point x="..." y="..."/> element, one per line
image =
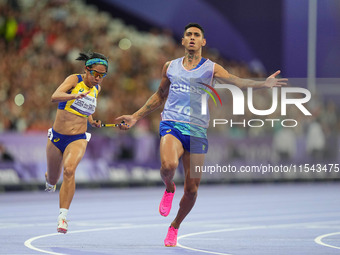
<point x="96" y="123"/>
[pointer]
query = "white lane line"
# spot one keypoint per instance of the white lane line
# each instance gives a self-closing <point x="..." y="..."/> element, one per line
<point x="204" y="251"/>
<point x="211" y="232"/>
<point x="28" y="243"/>
<point x="247" y="228"/>
<point x="318" y="240"/>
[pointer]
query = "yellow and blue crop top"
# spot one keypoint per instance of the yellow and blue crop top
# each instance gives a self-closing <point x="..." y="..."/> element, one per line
<point x="85" y="106"/>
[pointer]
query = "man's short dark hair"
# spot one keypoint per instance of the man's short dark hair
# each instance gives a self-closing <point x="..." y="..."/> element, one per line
<point x="194" y="25"/>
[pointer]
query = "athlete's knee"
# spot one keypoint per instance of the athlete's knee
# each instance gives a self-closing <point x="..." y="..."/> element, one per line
<point x="169" y="165"/>
<point x="191" y="191"/>
<point x="69" y="172"/>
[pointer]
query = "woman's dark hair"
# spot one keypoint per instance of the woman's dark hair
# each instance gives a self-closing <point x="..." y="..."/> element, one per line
<point x="92" y="55"/>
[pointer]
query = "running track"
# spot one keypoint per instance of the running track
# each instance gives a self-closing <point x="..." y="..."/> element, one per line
<point x="237" y="219"/>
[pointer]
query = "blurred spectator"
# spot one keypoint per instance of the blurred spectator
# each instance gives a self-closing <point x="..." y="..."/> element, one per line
<point x="39" y="40"/>
<point x="284" y="144"/>
<point x="315" y="141"/>
<point x="5" y="156"/>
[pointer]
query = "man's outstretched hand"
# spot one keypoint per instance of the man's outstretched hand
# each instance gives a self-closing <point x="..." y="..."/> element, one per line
<point x="272" y="81"/>
<point x="127" y="122"/>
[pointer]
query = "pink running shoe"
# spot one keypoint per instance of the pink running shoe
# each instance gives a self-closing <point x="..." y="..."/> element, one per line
<point x="62" y="226"/>
<point x="171" y="237"/>
<point x="166" y="202"/>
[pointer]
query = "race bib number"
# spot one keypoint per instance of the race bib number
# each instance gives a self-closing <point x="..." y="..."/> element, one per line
<point x="187" y="110"/>
<point x="86" y="105"/>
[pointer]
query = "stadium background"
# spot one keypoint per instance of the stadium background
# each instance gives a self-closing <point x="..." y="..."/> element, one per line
<point x="40" y="40"/>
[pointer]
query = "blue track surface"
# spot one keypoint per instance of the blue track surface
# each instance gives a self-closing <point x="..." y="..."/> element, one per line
<point x="230" y="219"/>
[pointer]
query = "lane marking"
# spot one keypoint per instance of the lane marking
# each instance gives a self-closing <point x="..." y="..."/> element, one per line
<point x="28" y="243"/>
<point x="306" y="224"/>
<point x="318" y="240"/>
<point x="211" y="232"/>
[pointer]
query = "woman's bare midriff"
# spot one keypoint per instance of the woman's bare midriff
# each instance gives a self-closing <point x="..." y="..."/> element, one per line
<point x="67" y="123"/>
